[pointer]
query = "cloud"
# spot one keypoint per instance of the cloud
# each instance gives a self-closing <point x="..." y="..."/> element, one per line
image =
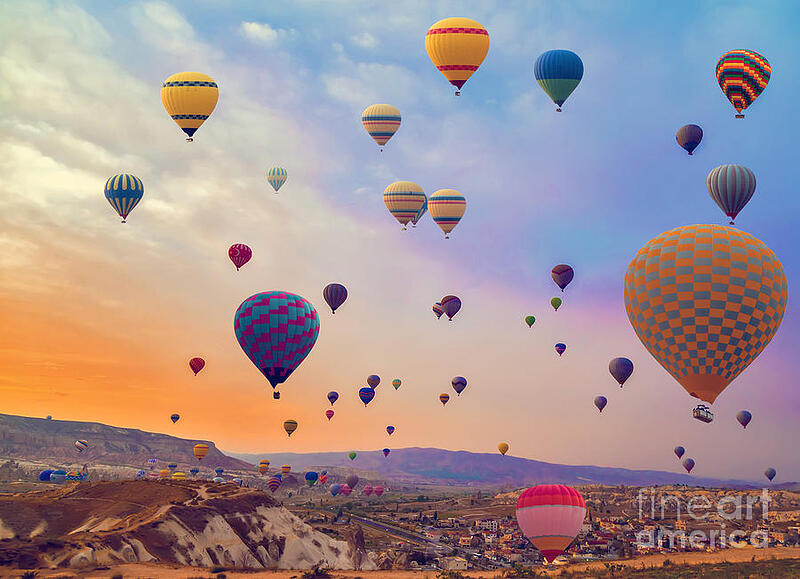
<point x="263" y="34"/>
<point x="364" y="40"/>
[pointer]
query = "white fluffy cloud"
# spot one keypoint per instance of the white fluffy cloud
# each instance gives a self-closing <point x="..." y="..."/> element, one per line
<point x="263" y="34"/>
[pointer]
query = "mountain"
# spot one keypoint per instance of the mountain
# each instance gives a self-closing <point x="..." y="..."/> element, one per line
<point x="53" y="442"/>
<point x="175" y="522"/>
<point x="436" y="466"/>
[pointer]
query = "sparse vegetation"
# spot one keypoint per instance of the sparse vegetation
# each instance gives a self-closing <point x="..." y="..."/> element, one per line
<point x="318" y="572"/>
<point x="28" y="575"/>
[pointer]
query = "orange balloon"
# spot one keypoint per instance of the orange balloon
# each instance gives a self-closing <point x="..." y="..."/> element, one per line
<point x="457" y="47"/>
<point x="200" y="451"/>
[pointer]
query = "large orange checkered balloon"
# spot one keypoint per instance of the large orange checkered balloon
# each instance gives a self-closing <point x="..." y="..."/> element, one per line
<point x="705" y="300"/>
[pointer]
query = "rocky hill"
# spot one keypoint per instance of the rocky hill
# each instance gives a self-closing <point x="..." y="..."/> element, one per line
<point x="52" y="441"/>
<point x="176" y="522"/>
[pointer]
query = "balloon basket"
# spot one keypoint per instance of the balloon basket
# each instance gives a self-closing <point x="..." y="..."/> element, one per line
<point x="558" y="110"/>
<point x="189" y="139"/>
<point x="458" y="93"/>
<point x="739" y="116"/>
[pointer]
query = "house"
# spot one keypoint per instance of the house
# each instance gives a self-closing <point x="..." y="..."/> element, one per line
<point x="471" y="541"/>
<point x="487" y="525"/>
<point x="455" y="564"/>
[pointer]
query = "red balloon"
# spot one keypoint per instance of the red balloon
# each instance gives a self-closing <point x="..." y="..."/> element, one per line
<point x="240" y="254"/>
<point x="197" y="364"/>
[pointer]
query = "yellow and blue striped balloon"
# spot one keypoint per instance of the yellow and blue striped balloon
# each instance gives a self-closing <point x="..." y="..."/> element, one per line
<point x="404" y="200"/>
<point x="124" y="191"/>
<point x="447" y="207"/>
<point x="381" y="122"/>
<point x="190" y="98"/>
<point x="277" y="177"/>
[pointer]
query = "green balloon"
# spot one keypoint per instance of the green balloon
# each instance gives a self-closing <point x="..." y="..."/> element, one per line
<point x="352" y="455"/>
<point x="556" y="303"/>
<point x="530" y="320"/>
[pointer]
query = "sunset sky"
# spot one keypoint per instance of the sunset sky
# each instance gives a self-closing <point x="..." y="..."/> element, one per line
<point x="98" y="319"/>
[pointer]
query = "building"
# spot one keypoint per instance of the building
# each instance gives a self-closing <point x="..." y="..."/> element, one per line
<point x="487" y="525"/>
<point x="455" y="564"/>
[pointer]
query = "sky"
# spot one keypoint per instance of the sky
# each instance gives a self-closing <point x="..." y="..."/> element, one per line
<point x="98" y="319"/>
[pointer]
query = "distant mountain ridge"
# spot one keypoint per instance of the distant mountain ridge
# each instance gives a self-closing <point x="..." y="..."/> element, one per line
<point x="437" y="466"/>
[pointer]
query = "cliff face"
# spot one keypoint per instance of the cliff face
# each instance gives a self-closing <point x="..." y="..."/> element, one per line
<point x="183" y="522"/>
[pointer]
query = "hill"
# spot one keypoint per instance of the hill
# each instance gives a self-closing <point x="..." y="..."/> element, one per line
<point x="178" y="522"/>
<point x="446" y="467"/>
<point x="53" y="442"/>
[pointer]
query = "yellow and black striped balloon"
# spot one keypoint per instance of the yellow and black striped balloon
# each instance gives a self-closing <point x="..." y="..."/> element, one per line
<point x="190" y="98"/>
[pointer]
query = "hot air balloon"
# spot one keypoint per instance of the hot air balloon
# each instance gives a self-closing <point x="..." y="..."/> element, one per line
<point x="396" y="383"/>
<point x="447" y="207"/>
<point x="124" y="192"/>
<point x="217" y="479"/>
<point x="140" y="474"/>
<point x="277" y="176"/>
<point x="731" y="187"/>
<point x="333" y="396"/>
<point x="600" y="402"/>
<point x="311" y="478"/>
<point x="335" y="294"/>
<point x="770" y="473"/>
<point x="404" y="200"/>
<point x="366" y="394"/>
<point x="556" y="303"/>
<point x="451" y="305"/>
<point x="457" y="47"/>
<point x="239" y="254"/>
<point x="335" y="488"/>
<point x="286" y="469"/>
<point x="345" y="489"/>
<point x="558" y="72"/>
<point x="444" y="397"/>
<point x="196" y="364"/>
<point x="679" y="451"/>
<point x="352" y="455"/>
<point x="58" y="476"/>
<point x="562" y="274"/>
<point x="329" y="413"/>
<point x="381" y="121"/>
<point x="219" y="470"/>
<point x="705" y="344"/>
<point x="194" y="470"/>
<point x="689" y="137"/>
<point x="290" y="426"/>
<point x="175" y="417"/>
<point x="550" y="516"/>
<point x="377" y="490"/>
<point x="273" y="483"/>
<point x="561" y="348"/>
<point x="437" y="309"/>
<point x="367" y="490"/>
<point x="44" y="476"/>
<point x="323" y="477"/>
<point x="263" y="468"/>
<point x="422" y="211"/>
<point x="503" y="448"/>
<point x="742" y="75"/>
<point x="386" y="452"/>
<point x="459" y="383"/>
<point x="81" y="445"/>
<point x="621" y="369"/>
<point x="190" y="98"/>
<point x="200" y="451"/>
<point x="390" y="430"/>
<point x="530" y="320"/>
<point x="688" y="464"/>
<point x="744" y="417"/>
<point x="151" y="462"/>
<point x="373" y="380"/>
<point x="277" y="330"/>
<point x="172" y="467"/>
<point x="178" y="475"/>
<point x="352" y="481"/>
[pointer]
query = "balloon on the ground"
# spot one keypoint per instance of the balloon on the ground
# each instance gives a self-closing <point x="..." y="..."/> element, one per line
<point x="688" y="464"/>
<point x="366" y="394"/>
<point x="444" y="397"/>
<point x="706" y="325"/>
<point x="194" y="470"/>
<point x="600" y="402"/>
<point x="373" y="380"/>
<point x="396" y="383"/>
<point x="311" y="478"/>
<point x="239" y="254"/>
<point x="219" y="470"/>
<point x="447" y="207"/>
<point x="335" y="488"/>
<point x="530" y="320"/>
<point x="377" y="490"/>
<point x="742" y="75"/>
<point x="124" y="192"/>
<point x="175" y="417"/>
<point x="386" y="452"/>
<point x="451" y="306"/>
<point x="189" y="98"/>
<point x="352" y="481"/>
<point x="277" y="176"/>
<point x="731" y="187"/>
<point x="335" y="294"/>
<point x="290" y="426"/>
<point x="59" y="476"/>
<point x="459" y="383"/>
<point x="770" y="473"/>
<point x="404" y="200"/>
<point x="329" y="413"/>
<point x="556" y="303"/>
<point x="345" y="490"/>
<point x="558" y="72"/>
<point x="276" y="330"/>
<point x="381" y="121"/>
<point x="562" y="274"/>
<point x="561" y="348"/>
<point x="197" y="364"/>
<point x="457" y="47"/>
<point x="550" y="516"/>
<point x="44" y="476"/>
<point x="367" y="490"/>
<point x="503" y="448"/>
<point x="621" y="369"/>
<point x="200" y="451"/>
<point x="679" y="451"/>
<point x="744" y="417"/>
<point x="689" y="137"/>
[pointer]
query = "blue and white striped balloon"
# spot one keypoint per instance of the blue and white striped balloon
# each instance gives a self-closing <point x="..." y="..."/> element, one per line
<point x="277" y="177"/>
<point x="731" y="187"/>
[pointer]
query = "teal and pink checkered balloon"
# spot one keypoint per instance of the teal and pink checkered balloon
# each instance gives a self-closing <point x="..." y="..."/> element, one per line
<point x="277" y="330"/>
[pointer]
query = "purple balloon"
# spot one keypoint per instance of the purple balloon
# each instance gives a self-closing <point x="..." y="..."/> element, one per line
<point x="600" y="402"/>
<point x="621" y="369"/>
<point x="459" y="383"/>
<point x="450" y="306"/>
<point x="688" y="464"/>
<point x="561" y="348"/>
<point x="562" y="274"/>
<point x="679" y="450"/>
<point x="366" y="394"/>
<point x="744" y="418"/>
<point x="689" y="136"/>
<point x="335" y="294"/>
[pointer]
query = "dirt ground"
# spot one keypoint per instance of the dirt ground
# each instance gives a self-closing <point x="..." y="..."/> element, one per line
<point x="142" y="571"/>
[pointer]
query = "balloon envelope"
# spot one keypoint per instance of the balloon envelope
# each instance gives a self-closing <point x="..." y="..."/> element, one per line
<point x="335" y="294"/>
<point x="459" y="384"/>
<point x="175" y="418"/>
<point x="457" y="47"/>
<point x="333" y="396"/>
<point x="438" y="310"/>
<point x="562" y="274"/>
<point x="404" y="200"/>
<point x="44" y="476"/>
<point x="329" y="413"/>
<point x="558" y="72"/>
<point x="447" y="207"/>
<point x="367" y="490"/>
<point x="335" y="488"/>
<point x="390" y="430"/>
<point x="621" y="369"/>
<point x="286" y="469"/>
<point x="124" y="192"/>
<point x="396" y="383"/>
<point x="770" y="473"/>
<point x="556" y="303"/>
<point x="81" y="445"/>
<point x="561" y="348"/>
<point x="366" y="394"/>
<point x="503" y="448"/>
<point x="373" y="380"/>
<point x="706" y="322"/>
<point x="276" y="330"/>
<point x="197" y="364"/>
<point x="239" y="254"/>
<point x="444" y="397"/>
<point x="600" y="402"/>
<point x="381" y="121"/>
<point x="742" y="75"/>
<point x="550" y="516"/>
<point x="200" y="451"/>
<point x="451" y="305"/>
<point x="277" y="176"/>
<point x="311" y="478"/>
<point x="744" y="417"/>
<point x="689" y="137"/>
<point x="290" y="426"/>
<point x="58" y="476"/>
<point x="189" y="98"/>
<point x="688" y="464"/>
<point x="352" y="456"/>
<point x="377" y="490"/>
<point x="731" y="187"/>
<point x="679" y="451"/>
<point x="386" y="452"/>
<point x="352" y="481"/>
<point x="530" y="320"/>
